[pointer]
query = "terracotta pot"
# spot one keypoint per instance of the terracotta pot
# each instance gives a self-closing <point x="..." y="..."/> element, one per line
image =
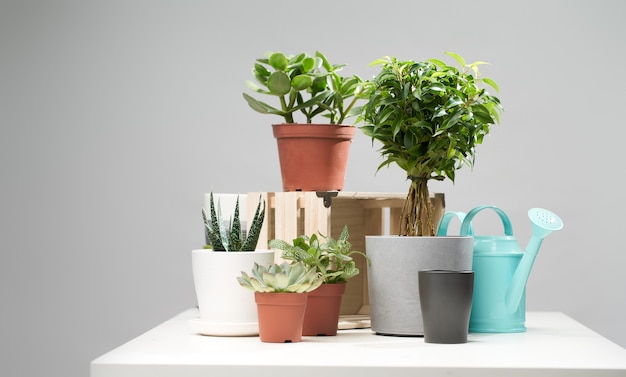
<point x="313" y="157"/>
<point x="280" y="316"/>
<point x="321" y="316"/>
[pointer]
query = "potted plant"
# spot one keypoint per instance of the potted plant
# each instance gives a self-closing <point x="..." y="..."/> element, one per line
<point x="332" y="259"/>
<point x="226" y="310"/>
<point x="312" y="155"/>
<point x="280" y="292"/>
<point x="428" y="117"/>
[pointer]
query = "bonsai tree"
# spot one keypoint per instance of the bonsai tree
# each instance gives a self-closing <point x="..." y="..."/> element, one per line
<point x="284" y="277"/>
<point x="231" y="238"/>
<point x="303" y="83"/>
<point x="332" y="259"/>
<point x="429" y="117"/>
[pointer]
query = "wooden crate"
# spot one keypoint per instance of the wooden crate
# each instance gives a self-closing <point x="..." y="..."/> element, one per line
<point x="291" y="214"/>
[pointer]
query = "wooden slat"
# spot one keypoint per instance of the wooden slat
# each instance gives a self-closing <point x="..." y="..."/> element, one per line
<point x="316" y="216"/>
<point x="285" y="218"/>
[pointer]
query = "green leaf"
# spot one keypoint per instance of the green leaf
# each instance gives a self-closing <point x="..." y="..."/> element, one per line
<point x="261" y="107"/>
<point x="482" y="113"/>
<point x="234" y="232"/>
<point x="324" y="61"/>
<point x="437" y="62"/>
<point x="255" y="87"/>
<point x="308" y="64"/>
<point x="491" y="83"/>
<point x="281" y="281"/>
<point x="456" y="57"/>
<point x="270" y="279"/>
<point x="279" y="61"/>
<point x="477" y="63"/>
<point x="255" y="228"/>
<point x="279" y="83"/>
<point x="380" y="61"/>
<point x="301" y="82"/>
<point x="257" y="286"/>
<point x="319" y="84"/>
<point x="260" y="70"/>
<point x="215" y="219"/>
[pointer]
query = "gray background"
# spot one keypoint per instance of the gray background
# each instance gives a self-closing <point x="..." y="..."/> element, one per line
<point x="117" y="116"/>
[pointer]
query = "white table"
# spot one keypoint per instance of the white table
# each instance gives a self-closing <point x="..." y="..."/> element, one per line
<point x="554" y="345"/>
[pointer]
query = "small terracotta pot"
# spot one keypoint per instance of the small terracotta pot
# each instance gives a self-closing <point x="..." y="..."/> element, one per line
<point x="313" y="157"/>
<point x="321" y="316"/>
<point x="280" y="316"/>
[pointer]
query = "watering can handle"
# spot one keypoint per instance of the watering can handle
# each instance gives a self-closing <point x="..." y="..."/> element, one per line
<point x="466" y="226"/>
<point x="442" y="229"/>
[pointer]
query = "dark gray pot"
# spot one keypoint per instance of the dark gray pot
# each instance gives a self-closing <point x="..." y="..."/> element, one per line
<point x="393" y="277"/>
<point x="446" y="302"/>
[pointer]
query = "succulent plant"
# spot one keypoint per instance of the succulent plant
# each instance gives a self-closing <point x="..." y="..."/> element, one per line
<point x="285" y="277"/>
<point x="232" y="238"/>
<point x="306" y="84"/>
<point x="331" y="258"/>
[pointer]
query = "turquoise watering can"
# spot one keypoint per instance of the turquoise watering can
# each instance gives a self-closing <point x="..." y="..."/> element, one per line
<point x="501" y="269"/>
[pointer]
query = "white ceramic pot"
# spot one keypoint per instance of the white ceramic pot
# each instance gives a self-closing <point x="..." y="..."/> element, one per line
<point x="393" y="277"/>
<point x="226" y="308"/>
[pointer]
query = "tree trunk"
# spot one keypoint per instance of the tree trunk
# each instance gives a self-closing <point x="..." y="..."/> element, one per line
<point x="417" y="212"/>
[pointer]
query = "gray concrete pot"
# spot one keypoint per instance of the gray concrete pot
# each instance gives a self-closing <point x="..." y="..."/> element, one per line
<point x="393" y="277"/>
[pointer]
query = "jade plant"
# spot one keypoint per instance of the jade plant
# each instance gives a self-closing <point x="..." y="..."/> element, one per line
<point x="331" y="258"/>
<point x="220" y="237"/>
<point x="429" y="117"/>
<point x="281" y="278"/>
<point x="304" y="84"/>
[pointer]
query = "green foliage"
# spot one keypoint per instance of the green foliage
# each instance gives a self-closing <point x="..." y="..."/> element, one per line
<point x="221" y="238"/>
<point x="331" y="258"/>
<point x="284" y="277"/>
<point x="306" y="84"/>
<point x="429" y="118"/>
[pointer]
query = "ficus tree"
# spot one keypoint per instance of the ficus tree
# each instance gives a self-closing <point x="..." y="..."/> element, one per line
<point x="429" y="117"/>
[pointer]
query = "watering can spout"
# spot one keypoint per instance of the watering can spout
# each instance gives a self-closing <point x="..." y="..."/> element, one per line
<point x="517" y="285"/>
<point x="543" y="222"/>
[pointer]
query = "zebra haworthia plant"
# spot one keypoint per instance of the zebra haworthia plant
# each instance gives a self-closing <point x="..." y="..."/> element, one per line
<point x="219" y="237"/>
